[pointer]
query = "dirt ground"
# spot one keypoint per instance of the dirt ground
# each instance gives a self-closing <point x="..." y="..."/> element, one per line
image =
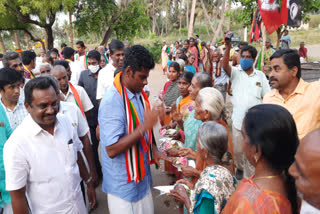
<point x="162" y="204"/>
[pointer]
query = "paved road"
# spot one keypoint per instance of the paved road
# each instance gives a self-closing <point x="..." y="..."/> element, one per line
<point x="162" y="204"/>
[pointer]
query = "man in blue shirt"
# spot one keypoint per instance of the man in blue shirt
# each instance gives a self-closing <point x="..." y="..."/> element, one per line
<point x="124" y="194"/>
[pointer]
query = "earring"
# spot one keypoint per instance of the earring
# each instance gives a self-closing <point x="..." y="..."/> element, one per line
<point x="256" y="158"/>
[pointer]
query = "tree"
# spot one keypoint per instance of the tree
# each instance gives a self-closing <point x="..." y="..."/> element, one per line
<point x="3" y="47"/>
<point x="41" y="13"/>
<point x="125" y="18"/>
<point x="190" y="28"/>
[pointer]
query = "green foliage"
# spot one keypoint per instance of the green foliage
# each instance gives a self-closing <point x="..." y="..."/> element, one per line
<point x="155" y="50"/>
<point x="132" y="20"/>
<point x="96" y="16"/>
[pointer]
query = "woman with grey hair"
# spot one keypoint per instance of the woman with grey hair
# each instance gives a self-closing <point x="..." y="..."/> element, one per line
<point x="209" y="106"/>
<point x="189" y="128"/>
<point x="216" y="184"/>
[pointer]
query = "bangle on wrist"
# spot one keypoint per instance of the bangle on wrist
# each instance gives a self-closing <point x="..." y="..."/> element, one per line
<point x="89" y="180"/>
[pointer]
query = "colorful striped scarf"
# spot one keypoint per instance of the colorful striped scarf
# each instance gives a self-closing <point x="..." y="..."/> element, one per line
<point x="134" y="156"/>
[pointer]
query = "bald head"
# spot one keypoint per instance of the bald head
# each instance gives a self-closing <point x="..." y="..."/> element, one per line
<point x="59" y="72"/>
<point x="306" y="168"/>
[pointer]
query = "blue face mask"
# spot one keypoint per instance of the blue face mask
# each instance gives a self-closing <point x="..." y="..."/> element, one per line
<point x="246" y="63"/>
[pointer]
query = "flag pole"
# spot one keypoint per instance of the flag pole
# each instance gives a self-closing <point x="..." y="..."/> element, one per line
<point x="264" y="39"/>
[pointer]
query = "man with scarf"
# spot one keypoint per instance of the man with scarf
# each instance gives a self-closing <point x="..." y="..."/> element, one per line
<point x="248" y="88"/>
<point x="128" y="147"/>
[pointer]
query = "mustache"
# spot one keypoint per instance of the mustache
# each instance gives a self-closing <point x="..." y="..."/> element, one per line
<point x="49" y="115"/>
<point x="272" y="79"/>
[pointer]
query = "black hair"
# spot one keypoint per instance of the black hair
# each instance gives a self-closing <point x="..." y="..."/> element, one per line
<point x="27" y="57"/>
<point x="94" y="54"/>
<point x="64" y="63"/>
<point x="187" y="40"/>
<point x="175" y="65"/>
<point x="187" y="75"/>
<point x="41" y="82"/>
<point x="184" y="57"/>
<point x="115" y="45"/>
<point x="191" y="55"/>
<point x="9" y="76"/>
<point x="11" y="55"/>
<point x="243" y="44"/>
<point x="197" y="36"/>
<point x="137" y="57"/>
<point x="252" y="51"/>
<point x="272" y="129"/>
<point x="55" y="50"/>
<point x="63" y="45"/>
<point x="81" y="43"/>
<point x="68" y="52"/>
<point x="290" y="57"/>
<point x="1" y="55"/>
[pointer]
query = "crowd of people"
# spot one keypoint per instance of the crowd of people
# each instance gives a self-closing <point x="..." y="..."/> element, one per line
<point x="59" y="107"/>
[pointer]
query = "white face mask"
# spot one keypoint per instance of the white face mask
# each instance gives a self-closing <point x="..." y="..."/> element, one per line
<point x="93" y="68"/>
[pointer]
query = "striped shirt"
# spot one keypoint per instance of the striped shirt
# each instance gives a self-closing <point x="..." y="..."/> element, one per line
<point x="17" y="115"/>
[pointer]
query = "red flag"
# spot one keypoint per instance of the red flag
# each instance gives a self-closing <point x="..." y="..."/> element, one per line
<point x="270" y="13"/>
<point x="256" y="27"/>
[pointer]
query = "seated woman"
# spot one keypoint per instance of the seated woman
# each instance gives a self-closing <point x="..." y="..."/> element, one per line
<point x="209" y="106"/>
<point x="216" y="184"/>
<point x="269" y="142"/>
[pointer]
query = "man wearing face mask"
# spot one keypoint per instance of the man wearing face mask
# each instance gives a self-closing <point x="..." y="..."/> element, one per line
<point x="248" y="87"/>
<point x="88" y="80"/>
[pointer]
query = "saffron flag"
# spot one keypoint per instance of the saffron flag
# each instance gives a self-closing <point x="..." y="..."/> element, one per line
<point x="270" y="11"/>
<point x="256" y="27"/>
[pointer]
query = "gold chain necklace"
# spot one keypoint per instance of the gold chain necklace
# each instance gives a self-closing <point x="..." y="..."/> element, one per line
<point x="266" y="177"/>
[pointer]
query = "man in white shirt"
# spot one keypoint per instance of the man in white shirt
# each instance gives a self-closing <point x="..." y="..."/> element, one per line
<point x="248" y="88"/>
<point x="10" y="81"/>
<point x="79" y="97"/>
<point x="106" y="75"/>
<point x="41" y="157"/>
<point x="71" y="95"/>
<point x="68" y="55"/>
<point x="306" y="172"/>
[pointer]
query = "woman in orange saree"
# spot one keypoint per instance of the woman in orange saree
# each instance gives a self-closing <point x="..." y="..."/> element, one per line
<point x="269" y="142"/>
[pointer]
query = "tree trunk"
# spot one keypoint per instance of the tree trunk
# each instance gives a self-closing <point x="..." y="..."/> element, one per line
<point x="228" y="20"/>
<point x="220" y="24"/>
<point x="17" y="40"/>
<point x="187" y="13"/>
<point x="193" y="8"/>
<point x="49" y="33"/>
<point x="26" y="37"/>
<point x="3" y="48"/>
<point x="245" y="33"/>
<point x="70" y="29"/>
<point x="208" y="18"/>
<point x="106" y="36"/>
<point x="154" y="18"/>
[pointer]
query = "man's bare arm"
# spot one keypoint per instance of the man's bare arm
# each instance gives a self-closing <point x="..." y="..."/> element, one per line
<point x="19" y="201"/>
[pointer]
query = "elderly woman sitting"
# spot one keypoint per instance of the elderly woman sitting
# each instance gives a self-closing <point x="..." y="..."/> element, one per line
<point x="216" y="184"/>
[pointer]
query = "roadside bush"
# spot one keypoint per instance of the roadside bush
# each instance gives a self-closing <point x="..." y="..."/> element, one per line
<point x="155" y="50"/>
